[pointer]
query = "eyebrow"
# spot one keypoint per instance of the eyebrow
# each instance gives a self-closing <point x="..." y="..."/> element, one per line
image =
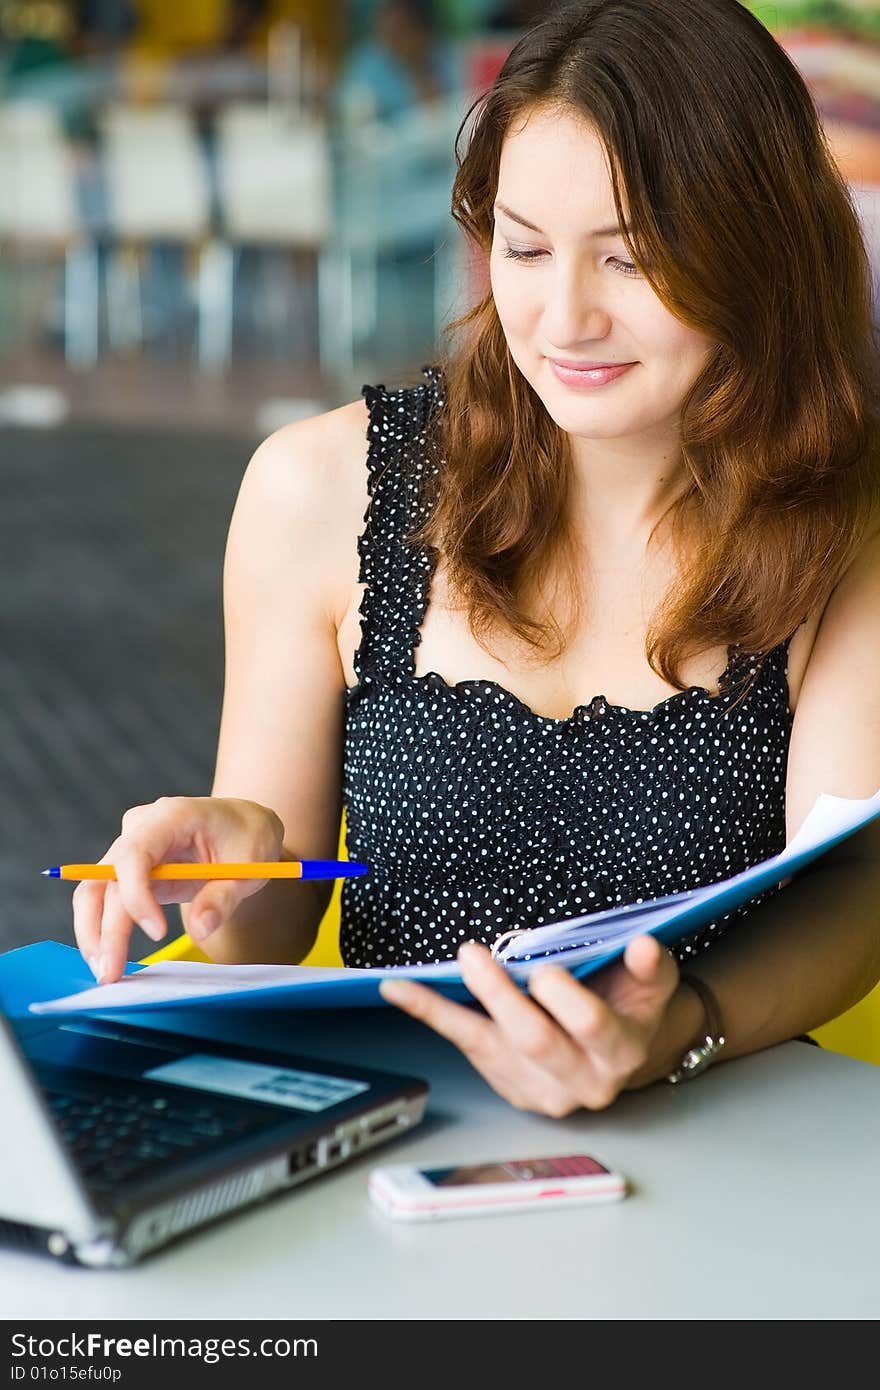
<point x="601" y="231"/>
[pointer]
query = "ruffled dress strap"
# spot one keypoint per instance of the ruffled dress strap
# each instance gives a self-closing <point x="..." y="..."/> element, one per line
<point x="395" y="572"/>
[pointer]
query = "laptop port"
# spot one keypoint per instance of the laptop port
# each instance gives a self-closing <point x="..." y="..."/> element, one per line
<point x="300" y="1159"/>
<point x="381" y="1127"/>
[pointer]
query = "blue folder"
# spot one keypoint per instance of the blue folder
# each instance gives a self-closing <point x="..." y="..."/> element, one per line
<point x="49" y="971"/>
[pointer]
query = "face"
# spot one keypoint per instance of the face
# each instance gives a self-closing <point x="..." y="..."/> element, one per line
<point x="570" y="291"/>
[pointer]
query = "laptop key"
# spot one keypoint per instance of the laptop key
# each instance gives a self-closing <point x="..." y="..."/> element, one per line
<point x="209" y="1129"/>
<point x="117" y="1136"/>
<point x="178" y="1139"/>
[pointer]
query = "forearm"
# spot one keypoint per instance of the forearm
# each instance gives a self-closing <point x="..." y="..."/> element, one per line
<point x="799" y="959"/>
<point x="276" y="925"/>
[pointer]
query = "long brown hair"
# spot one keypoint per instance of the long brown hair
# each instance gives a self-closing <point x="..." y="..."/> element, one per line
<point x="745" y="228"/>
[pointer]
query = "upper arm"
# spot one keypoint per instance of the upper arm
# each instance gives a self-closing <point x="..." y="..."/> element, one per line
<point x="281" y="730"/>
<point x="835" y="741"/>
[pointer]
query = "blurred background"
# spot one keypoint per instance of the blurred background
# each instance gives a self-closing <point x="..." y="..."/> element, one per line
<point x="218" y="216"/>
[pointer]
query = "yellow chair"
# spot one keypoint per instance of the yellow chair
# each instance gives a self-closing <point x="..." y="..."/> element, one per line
<point x="855" y="1033"/>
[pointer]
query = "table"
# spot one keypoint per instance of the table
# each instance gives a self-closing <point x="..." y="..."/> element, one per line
<point x="753" y="1196"/>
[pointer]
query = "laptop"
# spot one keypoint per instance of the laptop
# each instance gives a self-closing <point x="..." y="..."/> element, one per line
<point x="122" y="1138"/>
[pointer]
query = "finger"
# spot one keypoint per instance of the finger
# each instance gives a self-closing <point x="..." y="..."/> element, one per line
<point x="116" y="925"/>
<point x="133" y="863"/>
<point x="604" y="1039"/>
<point x="455" y="1022"/>
<point x="581" y="1059"/>
<point x="133" y="817"/>
<point x="514" y="1078"/>
<point x="529" y="1029"/>
<point x="215" y="902"/>
<point x="87" y="902"/>
<point x="652" y="967"/>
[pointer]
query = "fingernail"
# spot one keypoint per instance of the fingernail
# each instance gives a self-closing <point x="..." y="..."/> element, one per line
<point x="103" y="964"/>
<point x="469" y="952"/>
<point x="208" y="922"/>
<point x="396" y="991"/>
<point x="154" y="930"/>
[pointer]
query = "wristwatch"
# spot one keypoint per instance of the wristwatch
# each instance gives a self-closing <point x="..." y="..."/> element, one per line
<point x="703" y="1053"/>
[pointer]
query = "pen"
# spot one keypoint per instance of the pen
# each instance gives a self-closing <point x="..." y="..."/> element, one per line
<point x="297" y="868"/>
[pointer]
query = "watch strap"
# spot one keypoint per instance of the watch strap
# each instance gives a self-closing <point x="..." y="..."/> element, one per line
<point x="704" y="1052"/>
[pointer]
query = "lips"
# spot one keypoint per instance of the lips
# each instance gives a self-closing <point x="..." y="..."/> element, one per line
<point x="586" y="376"/>
<point x="587" y="366"/>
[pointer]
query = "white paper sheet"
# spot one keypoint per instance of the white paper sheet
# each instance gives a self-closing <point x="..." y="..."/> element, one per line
<point x="186" y="979"/>
<point x="595" y="934"/>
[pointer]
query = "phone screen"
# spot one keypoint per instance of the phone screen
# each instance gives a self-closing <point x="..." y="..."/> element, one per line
<point x="517" y="1170"/>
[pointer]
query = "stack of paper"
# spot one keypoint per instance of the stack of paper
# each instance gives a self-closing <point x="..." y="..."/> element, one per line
<point x="582" y="944"/>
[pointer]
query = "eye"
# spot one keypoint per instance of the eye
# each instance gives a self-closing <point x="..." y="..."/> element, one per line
<point x="522" y="255"/>
<point x="625" y="267"/>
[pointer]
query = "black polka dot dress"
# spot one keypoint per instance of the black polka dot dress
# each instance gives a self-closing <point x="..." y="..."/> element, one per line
<point x="478" y="816"/>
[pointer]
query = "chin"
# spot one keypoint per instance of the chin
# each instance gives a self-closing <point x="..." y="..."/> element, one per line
<point x="589" y="420"/>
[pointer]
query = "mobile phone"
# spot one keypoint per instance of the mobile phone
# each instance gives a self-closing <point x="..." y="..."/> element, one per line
<point x="408" y="1193"/>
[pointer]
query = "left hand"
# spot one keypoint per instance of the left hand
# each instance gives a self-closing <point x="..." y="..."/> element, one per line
<point x="572" y="1046"/>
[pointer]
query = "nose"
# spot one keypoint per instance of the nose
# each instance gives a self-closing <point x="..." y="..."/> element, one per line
<point x="575" y="312"/>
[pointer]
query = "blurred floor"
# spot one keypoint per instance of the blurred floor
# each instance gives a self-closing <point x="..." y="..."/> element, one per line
<point x="111" y="664"/>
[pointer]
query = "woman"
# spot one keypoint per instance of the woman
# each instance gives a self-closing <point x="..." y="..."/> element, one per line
<point x="650" y="468"/>
<point x="402" y="63"/>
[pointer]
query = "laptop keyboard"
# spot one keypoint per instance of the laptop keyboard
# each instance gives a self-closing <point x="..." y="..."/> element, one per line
<point x="117" y="1137"/>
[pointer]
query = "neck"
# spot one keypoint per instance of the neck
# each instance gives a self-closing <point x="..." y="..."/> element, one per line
<point x="620" y="490"/>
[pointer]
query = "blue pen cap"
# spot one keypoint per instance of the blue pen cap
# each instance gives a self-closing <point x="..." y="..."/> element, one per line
<point x="332" y="868"/>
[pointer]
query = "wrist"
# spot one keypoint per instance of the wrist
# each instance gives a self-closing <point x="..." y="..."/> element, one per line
<point x="679" y="1028"/>
<point x="704" y="1051"/>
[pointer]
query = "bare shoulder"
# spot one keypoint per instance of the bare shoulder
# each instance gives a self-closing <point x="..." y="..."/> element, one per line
<point x="315" y="462"/>
<point x="835" y="743"/>
<point x="307" y="484"/>
<point x="850" y="622"/>
<point x="861" y="582"/>
<point x="857" y="592"/>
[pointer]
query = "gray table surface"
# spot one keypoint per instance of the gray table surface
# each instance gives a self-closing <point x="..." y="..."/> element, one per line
<point x="754" y="1195"/>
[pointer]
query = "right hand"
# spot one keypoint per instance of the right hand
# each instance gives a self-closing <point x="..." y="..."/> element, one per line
<point x="174" y="829"/>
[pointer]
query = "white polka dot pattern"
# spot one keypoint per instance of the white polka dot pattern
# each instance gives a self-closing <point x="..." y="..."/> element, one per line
<point x="477" y="815"/>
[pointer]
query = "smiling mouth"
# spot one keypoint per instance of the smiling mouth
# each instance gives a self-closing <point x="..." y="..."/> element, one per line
<point x="588" y="366"/>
